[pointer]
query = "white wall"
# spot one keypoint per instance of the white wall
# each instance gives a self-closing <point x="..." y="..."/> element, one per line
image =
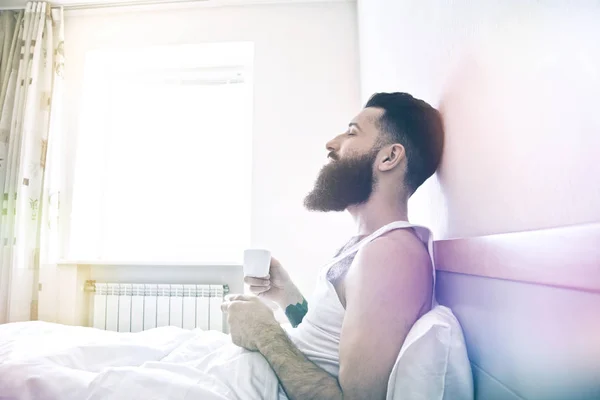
<point x="306" y="90"/>
<point x="518" y="83"/>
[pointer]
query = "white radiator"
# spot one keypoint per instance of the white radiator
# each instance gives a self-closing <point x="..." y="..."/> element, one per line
<point x="134" y="307"/>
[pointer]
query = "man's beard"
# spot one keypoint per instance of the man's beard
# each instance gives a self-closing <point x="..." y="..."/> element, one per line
<point x="343" y="183"/>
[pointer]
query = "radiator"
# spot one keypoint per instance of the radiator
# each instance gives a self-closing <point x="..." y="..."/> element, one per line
<point x="135" y="307"/>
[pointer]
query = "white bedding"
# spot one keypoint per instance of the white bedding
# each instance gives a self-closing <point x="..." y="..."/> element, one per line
<point x="40" y="360"/>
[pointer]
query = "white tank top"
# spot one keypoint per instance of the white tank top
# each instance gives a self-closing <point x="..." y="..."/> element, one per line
<point x="318" y="336"/>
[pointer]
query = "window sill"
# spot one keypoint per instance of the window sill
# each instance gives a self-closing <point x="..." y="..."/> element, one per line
<point x="106" y="263"/>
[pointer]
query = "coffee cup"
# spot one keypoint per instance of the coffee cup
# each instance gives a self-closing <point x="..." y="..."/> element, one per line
<point x="257" y="262"/>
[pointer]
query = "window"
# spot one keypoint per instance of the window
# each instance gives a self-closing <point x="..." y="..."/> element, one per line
<point x="163" y="163"/>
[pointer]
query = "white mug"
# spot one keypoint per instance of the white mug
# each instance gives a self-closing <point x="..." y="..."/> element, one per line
<point x="257" y="262"/>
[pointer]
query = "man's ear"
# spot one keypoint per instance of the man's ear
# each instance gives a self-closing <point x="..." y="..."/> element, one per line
<point x="391" y="156"/>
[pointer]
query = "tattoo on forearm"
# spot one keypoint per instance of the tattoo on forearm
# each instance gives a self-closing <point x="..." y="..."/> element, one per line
<point x="296" y="312"/>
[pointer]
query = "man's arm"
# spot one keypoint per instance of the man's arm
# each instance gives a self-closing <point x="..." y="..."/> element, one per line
<point x="301" y="379"/>
<point x="387" y="289"/>
<point x="253" y="326"/>
<point x="278" y="287"/>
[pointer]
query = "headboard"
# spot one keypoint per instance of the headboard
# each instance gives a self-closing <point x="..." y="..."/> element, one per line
<point x="529" y="305"/>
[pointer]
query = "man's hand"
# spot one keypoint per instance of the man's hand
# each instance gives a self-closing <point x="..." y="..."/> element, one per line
<point x="277" y="286"/>
<point x="251" y="322"/>
<point x="253" y="326"/>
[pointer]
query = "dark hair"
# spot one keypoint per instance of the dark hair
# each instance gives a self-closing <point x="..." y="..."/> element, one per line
<point x="415" y="125"/>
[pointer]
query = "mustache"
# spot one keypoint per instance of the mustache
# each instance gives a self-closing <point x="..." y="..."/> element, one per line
<point x="333" y="155"/>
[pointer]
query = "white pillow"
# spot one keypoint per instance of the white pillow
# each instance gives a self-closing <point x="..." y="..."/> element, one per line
<point x="433" y="362"/>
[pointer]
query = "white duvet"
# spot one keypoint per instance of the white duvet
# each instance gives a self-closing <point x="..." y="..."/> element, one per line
<point x="40" y="360"/>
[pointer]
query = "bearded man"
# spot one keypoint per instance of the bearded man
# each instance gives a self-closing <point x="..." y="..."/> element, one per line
<point x="344" y="343"/>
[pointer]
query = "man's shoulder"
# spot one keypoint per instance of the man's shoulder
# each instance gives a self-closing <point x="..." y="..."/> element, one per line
<point x="396" y="266"/>
<point x="400" y="249"/>
<point x="400" y="243"/>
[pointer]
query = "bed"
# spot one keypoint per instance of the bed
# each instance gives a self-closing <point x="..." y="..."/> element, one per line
<point x="529" y="306"/>
<point x="40" y="360"/>
<point x="528" y="303"/>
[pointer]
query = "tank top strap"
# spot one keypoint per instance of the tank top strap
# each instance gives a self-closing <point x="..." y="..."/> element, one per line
<point x="355" y="248"/>
<point x="423" y="233"/>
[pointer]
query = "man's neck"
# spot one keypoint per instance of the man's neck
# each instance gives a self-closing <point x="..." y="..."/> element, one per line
<point x="377" y="212"/>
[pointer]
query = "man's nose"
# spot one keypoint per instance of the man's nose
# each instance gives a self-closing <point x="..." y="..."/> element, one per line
<point x="333" y="144"/>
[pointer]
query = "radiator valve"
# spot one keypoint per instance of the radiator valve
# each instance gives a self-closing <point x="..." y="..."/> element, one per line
<point x="90" y="286"/>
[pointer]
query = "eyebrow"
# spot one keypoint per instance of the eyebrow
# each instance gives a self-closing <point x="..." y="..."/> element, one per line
<point x="351" y="124"/>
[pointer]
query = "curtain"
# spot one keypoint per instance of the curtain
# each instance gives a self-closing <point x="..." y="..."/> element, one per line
<point x="31" y="69"/>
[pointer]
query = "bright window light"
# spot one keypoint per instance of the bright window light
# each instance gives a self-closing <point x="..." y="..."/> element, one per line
<point x="163" y="164"/>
